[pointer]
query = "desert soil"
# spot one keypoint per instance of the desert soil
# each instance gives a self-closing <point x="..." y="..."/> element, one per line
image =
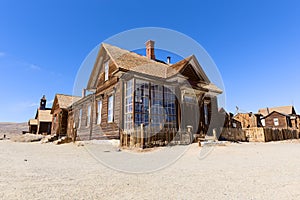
<point x="235" y="171"/>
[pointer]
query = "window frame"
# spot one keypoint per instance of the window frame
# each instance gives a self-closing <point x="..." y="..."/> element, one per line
<point x="88" y="115"/>
<point x="276" y="121"/>
<point x="106" y="70"/>
<point x="205" y="110"/>
<point x="110" y="105"/>
<point x="99" y="111"/>
<point x="80" y="118"/>
<point x="129" y="105"/>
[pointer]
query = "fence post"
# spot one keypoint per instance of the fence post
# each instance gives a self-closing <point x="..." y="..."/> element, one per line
<point x="215" y="134"/>
<point x="142" y="136"/>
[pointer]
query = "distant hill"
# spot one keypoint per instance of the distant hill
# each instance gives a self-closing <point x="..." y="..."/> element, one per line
<point x="10" y="128"/>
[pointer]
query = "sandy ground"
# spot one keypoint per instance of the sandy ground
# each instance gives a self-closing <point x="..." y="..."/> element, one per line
<point x="235" y="171"/>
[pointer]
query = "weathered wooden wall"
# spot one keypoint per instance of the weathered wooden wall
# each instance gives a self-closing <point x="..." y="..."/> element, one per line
<point x="233" y="134"/>
<point x="282" y="119"/>
<point x="270" y="134"/>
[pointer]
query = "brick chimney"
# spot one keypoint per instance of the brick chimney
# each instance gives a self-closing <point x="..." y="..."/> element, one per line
<point x="150" y="49"/>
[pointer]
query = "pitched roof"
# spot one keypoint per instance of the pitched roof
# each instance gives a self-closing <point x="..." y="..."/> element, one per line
<point x="181" y="64"/>
<point x="275" y="112"/>
<point x="44" y="115"/>
<point x="287" y="110"/>
<point x="64" y="101"/>
<point x="127" y="60"/>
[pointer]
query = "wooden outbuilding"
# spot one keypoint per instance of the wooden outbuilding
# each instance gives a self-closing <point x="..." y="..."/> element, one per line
<point x="277" y="120"/>
<point x="279" y="117"/>
<point x="249" y="120"/>
<point x="59" y="113"/>
<point x="33" y="126"/>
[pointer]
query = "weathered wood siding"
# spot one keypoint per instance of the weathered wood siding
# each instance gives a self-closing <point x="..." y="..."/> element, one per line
<point x="282" y="120"/>
<point x="70" y="129"/>
<point x="44" y="128"/>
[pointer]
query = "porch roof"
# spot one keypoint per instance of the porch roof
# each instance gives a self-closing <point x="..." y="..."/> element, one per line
<point x="32" y="122"/>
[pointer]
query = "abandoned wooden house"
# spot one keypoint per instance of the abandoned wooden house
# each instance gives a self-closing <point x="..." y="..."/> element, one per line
<point x="249" y="120"/>
<point x="135" y="96"/>
<point x="280" y="117"/>
<point x="33" y="125"/>
<point x="59" y="113"/>
<point x="232" y="129"/>
<point x="230" y="121"/>
<point x="41" y="124"/>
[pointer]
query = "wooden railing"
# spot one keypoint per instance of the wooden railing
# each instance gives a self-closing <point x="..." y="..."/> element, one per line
<point x="146" y="137"/>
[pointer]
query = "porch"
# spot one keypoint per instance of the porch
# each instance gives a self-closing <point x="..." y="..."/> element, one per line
<point x="147" y="137"/>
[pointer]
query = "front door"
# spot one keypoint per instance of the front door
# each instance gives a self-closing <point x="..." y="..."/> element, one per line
<point x="190" y="113"/>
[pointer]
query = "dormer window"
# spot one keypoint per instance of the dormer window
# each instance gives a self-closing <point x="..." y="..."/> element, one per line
<point x="106" y="71"/>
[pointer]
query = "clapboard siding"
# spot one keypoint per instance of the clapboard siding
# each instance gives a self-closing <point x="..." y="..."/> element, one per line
<point x="282" y="120"/>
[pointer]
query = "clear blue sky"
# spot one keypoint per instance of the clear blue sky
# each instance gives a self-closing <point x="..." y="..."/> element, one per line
<point x="255" y="44"/>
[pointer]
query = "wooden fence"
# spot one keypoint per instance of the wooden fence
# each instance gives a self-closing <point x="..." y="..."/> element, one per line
<point x="146" y="137"/>
<point x="258" y="134"/>
<point x="280" y="134"/>
<point x="233" y="134"/>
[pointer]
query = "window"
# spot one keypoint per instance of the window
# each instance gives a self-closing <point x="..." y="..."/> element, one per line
<point x="128" y="122"/>
<point x="79" y="120"/>
<point x="106" y="71"/>
<point x="141" y="103"/>
<point x="234" y="125"/>
<point x="158" y="111"/>
<point x="205" y="113"/>
<point x="88" y="117"/>
<point x="276" y="122"/>
<point x="99" y="111"/>
<point x="263" y="122"/>
<point x="170" y="106"/>
<point x="110" y="108"/>
<point x="158" y="114"/>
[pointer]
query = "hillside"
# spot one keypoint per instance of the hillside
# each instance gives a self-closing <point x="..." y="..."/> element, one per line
<point x="10" y="128"/>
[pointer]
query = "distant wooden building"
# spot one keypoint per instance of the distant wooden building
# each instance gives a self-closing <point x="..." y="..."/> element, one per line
<point x="279" y="117"/>
<point x="229" y="120"/>
<point x="43" y="119"/>
<point x="130" y="91"/>
<point x="33" y="126"/>
<point x="277" y="120"/>
<point x="232" y="128"/>
<point x="249" y="120"/>
<point x="59" y="113"/>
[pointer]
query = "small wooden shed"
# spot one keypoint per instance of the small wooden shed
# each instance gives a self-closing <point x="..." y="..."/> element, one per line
<point x="33" y="126"/>
<point x="59" y="113"/>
